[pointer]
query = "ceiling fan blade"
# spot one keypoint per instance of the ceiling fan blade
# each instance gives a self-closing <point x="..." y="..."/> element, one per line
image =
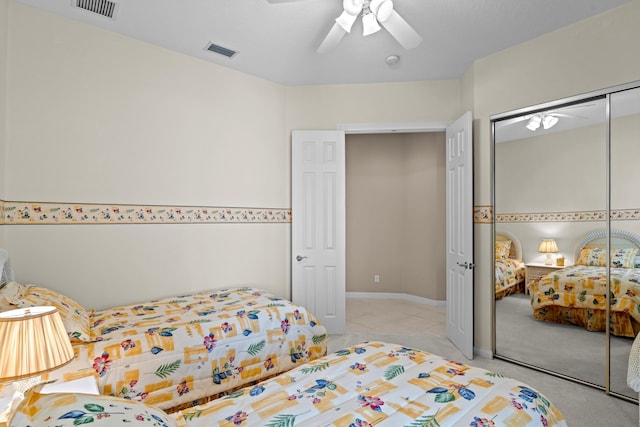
<point x="332" y="39"/>
<point x="402" y="31"/>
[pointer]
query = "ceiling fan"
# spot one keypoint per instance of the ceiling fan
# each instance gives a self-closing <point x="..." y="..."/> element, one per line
<point x="548" y="119"/>
<point x="374" y="13"/>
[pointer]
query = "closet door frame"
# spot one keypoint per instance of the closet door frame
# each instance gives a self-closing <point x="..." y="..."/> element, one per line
<point x="606" y="93"/>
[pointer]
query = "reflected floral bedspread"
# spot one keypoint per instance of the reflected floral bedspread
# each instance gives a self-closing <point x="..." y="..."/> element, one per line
<point x="583" y="289"/>
<point x="509" y="272"/>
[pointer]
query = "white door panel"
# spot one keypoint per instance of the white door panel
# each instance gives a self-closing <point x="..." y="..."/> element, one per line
<point x="460" y="234"/>
<point x="318" y="229"/>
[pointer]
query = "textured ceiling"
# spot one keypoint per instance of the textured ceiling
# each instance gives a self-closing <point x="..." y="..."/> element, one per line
<point x="278" y="42"/>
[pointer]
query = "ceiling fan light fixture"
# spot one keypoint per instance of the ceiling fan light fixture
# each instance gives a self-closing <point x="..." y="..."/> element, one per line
<point x="382" y="9"/>
<point x="549" y="121"/>
<point x="370" y="24"/>
<point x="534" y="122"/>
<point x="346" y="20"/>
<point x="353" y="7"/>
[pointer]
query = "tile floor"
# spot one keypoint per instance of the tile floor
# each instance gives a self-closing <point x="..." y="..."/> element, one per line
<point x="384" y="316"/>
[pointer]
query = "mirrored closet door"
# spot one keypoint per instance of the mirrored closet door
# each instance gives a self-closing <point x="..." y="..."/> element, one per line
<point x="625" y="206"/>
<point x="562" y="171"/>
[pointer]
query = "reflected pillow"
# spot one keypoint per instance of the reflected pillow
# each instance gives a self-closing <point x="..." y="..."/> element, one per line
<point x="623" y="258"/>
<point x="596" y="257"/>
<point x="503" y="247"/>
<point x="74" y="316"/>
<point x="620" y="258"/>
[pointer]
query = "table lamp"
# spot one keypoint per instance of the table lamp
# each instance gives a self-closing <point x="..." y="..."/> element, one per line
<point x="548" y="246"/>
<point x="32" y="341"/>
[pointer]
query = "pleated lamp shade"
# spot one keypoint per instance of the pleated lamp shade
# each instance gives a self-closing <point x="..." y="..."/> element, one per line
<point x="32" y="341"/>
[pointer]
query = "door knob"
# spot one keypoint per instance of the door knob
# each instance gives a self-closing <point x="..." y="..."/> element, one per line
<point x="300" y="258"/>
<point x="467" y="265"/>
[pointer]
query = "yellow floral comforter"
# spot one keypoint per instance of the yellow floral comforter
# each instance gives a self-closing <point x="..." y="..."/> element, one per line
<point x="368" y="384"/>
<point x="577" y="295"/>
<point x="178" y="350"/>
<point x="509" y="273"/>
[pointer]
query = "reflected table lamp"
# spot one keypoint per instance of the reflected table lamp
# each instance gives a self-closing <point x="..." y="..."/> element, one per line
<point x="32" y="341"/>
<point x="548" y="246"/>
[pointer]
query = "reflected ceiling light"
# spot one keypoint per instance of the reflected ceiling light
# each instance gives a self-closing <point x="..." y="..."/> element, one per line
<point x="534" y="122"/>
<point x="546" y="120"/>
<point x="549" y="121"/>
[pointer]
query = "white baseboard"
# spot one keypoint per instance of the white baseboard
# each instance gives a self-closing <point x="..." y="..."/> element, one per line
<point x="394" y="295"/>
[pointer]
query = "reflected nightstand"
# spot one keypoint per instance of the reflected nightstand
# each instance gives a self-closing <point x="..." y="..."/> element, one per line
<point x="534" y="271"/>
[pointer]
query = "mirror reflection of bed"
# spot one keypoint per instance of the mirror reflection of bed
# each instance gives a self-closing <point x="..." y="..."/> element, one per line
<point x="560" y="325"/>
<point x="510" y="270"/>
<point x="564" y="182"/>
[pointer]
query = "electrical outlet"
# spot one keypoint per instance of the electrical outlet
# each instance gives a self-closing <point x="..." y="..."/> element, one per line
<point x="376" y="278"/>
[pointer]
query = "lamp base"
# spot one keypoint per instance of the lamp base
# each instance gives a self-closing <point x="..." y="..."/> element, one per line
<point x="548" y="261"/>
<point x="20" y="387"/>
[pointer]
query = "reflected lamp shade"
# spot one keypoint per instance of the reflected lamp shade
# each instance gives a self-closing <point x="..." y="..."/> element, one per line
<point x="32" y="341"/>
<point x="548" y="246"/>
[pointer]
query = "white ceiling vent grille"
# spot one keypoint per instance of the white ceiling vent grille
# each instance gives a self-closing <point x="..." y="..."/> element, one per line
<point x="105" y="8"/>
<point x="215" y="48"/>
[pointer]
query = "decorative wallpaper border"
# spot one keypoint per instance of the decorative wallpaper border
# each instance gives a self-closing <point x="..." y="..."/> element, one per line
<point x="484" y="215"/>
<point x="23" y="213"/>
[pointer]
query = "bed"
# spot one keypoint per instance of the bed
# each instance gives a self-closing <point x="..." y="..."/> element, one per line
<point x="368" y="384"/>
<point x="509" y="268"/>
<point x="175" y="351"/>
<point x="577" y="294"/>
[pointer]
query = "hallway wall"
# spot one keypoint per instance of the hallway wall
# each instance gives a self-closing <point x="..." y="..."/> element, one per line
<point x="396" y="214"/>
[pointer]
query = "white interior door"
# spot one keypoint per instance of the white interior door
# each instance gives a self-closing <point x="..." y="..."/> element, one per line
<point x="318" y="229"/>
<point x="460" y="234"/>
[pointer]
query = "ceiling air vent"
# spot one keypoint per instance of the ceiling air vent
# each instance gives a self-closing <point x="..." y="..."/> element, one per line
<point x="212" y="47"/>
<point x="105" y="8"/>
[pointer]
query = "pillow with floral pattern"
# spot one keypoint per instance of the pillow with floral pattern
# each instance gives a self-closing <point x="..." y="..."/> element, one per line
<point x="74" y="409"/>
<point x="74" y="316"/>
<point x="596" y="257"/>
<point x="623" y="258"/>
<point x="503" y="247"/>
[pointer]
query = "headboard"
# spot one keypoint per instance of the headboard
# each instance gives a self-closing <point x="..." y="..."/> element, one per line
<point x="516" y="246"/>
<point x="620" y="239"/>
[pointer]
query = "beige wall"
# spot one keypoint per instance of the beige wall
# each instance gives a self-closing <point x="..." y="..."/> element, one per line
<point x="98" y="117"/>
<point x="324" y="107"/>
<point x="396" y="214"/>
<point x="4" y="20"/>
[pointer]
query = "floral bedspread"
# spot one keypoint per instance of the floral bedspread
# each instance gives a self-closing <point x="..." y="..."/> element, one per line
<point x="384" y="385"/>
<point x="178" y="350"/>
<point x="509" y="272"/>
<point x="583" y="286"/>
